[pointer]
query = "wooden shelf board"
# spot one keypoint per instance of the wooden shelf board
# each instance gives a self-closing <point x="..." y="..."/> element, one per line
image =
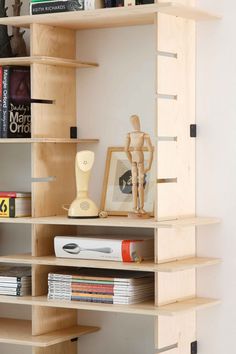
<point x="48" y="140"/>
<point x="110" y="17"/>
<point x="198" y="303"/>
<point x="146" y="266"/>
<point x="113" y="221"/>
<point x="46" y="60"/>
<point x="19" y="332"/>
<point x="145" y="308"/>
<point x="190" y="221"/>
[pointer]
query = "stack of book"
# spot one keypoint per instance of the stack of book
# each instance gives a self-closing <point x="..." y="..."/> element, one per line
<point x="15" y="281"/>
<point x="15" y="204"/>
<point x="101" y="286"/>
<point x="54" y="6"/>
<point x="15" y="108"/>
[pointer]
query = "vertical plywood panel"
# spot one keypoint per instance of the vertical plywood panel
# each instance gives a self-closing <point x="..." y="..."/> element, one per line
<point x="63" y="348"/>
<point x="176" y="79"/>
<point x="51" y="319"/>
<point x="175" y="112"/>
<point x="172" y="287"/>
<point x="58" y="84"/>
<point x="187" y="331"/>
<point x="56" y="162"/>
<point x="52" y="41"/>
<point x="43" y="238"/>
<point x="166" y="333"/>
<point x="180" y="329"/>
<point x="167" y="159"/>
<point x="53" y="82"/>
<point x="52" y="165"/>
<point x="174" y="244"/>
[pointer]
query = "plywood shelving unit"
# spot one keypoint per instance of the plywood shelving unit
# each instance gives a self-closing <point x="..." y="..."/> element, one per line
<point x="53" y="45"/>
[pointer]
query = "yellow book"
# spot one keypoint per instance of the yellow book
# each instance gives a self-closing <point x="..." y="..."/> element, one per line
<point x="15" y="207"/>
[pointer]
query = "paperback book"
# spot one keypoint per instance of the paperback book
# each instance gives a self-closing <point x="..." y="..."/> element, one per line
<point x="15" y="281"/>
<point x="1" y="71"/>
<point x="15" y="113"/>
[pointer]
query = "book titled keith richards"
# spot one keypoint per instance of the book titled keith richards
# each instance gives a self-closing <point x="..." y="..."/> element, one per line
<point x="44" y="7"/>
<point x="16" y="109"/>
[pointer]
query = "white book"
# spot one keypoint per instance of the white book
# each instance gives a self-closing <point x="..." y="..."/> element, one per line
<point x="109" y="248"/>
<point x="93" y="4"/>
<point x="129" y="3"/>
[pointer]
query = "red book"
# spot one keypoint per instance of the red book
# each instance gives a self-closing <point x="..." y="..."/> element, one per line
<point x="15" y="194"/>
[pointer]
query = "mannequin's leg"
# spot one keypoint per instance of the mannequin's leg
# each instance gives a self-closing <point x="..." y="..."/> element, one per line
<point x="141" y="187"/>
<point x="134" y="186"/>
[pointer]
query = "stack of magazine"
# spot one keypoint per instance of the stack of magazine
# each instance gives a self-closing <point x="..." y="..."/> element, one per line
<point x="101" y="286"/>
<point x="15" y="281"/>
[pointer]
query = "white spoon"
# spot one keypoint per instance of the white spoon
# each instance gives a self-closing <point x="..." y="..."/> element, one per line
<point x="73" y="248"/>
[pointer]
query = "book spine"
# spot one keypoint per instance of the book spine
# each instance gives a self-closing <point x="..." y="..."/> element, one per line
<point x="37" y="1"/>
<point x="14" y="195"/>
<point x="129" y="3"/>
<point x="13" y="279"/>
<point x="56" y="6"/>
<point x="119" y="3"/>
<point x="109" y="3"/>
<point x="5" y="100"/>
<point x="93" y="4"/>
<point x="12" y="207"/>
<point x="1" y="72"/>
<point x="48" y="7"/>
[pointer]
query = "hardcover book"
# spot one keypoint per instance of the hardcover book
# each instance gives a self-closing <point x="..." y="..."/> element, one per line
<point x="11" y="194"/>
<point x="1" y="71"/>
<point x="16" y="109"/>
<point x="110" y="248"/>
<point x="15" y="207"/>
<point x="37" y="8"/>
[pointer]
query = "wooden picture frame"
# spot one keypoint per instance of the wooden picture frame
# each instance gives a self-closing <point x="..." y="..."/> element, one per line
<point x="116" y="197"/>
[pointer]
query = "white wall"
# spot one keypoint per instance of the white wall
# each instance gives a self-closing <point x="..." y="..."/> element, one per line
<point x="124" y="84"/>
<point x="216" y="169"/>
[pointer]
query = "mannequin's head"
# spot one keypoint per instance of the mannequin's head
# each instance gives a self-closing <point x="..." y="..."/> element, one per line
<point x="135" y="121"/>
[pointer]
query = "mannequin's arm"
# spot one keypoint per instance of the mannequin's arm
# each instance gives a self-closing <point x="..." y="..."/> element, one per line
<point x="127" y="146"/>
<point x="150" y="150"/>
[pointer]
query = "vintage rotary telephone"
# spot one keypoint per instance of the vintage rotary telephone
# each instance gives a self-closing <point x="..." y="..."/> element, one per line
<point x="82" y="206"/>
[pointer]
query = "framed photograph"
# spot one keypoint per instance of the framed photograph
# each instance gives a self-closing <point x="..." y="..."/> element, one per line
<point x="117" y="187"/>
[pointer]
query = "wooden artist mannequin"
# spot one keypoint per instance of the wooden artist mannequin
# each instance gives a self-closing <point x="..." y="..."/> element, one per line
<point x="134" y="148"/>
<point x="17" y="41"/>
